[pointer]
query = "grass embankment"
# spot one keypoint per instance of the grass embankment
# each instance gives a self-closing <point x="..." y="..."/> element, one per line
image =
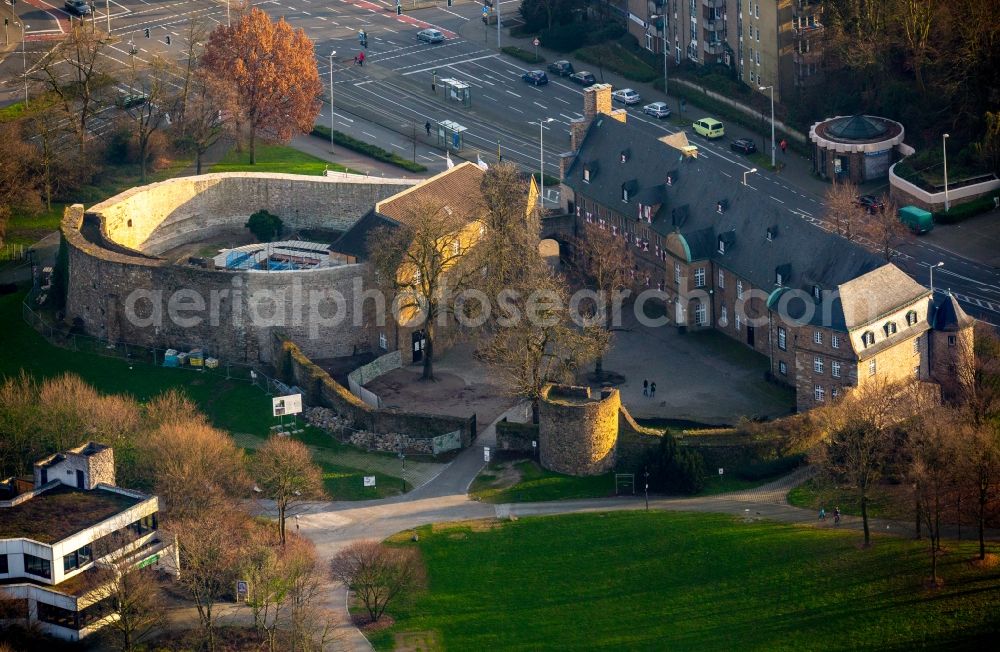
<point x="526" y="56"/>
<point x="675" y="581"/>
<point x="525" y="481"/>
<point x="234" y="405"/>
<point x="615" y="57"/>
<point x="886" y="501"/>
<point x="276" y="158"/>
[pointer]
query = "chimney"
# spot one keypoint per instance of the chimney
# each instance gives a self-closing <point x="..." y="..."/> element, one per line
<point x="565" y="160"/>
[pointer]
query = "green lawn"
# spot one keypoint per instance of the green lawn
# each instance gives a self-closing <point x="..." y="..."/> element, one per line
<point x="678" y="581"/>
<point x="885" y="502"/>
<point x="538" y="484"/>
<point x="275" y="158"/>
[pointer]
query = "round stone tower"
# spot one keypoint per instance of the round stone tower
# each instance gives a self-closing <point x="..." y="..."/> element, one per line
<point x="578" y="432"/>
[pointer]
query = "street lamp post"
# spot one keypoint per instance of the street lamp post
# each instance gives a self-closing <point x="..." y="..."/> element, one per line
<point x="332" y="54"/>
<point x="944" y="150"/>
<point x="762" y="89"/>
<point x="940" y="264"/>
<point x="107" y="12"/>
<point x="229" y="21"/>
<point x="750" y="171"/>
<point x="24" y="62"/>
<point x="664" y="31"/>
<point x="541" y="160"/>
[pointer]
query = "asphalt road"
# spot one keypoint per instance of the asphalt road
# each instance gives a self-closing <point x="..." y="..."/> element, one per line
<point x="390" y="98"/>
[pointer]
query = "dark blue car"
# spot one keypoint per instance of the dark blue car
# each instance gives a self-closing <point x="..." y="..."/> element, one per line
<point x="536" y="77"/>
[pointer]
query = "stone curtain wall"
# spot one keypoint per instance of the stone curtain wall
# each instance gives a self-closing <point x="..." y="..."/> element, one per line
<point x="162" y="215"/>
<point x="516" y="436"/>
<point x="320" y="389"/>
<point x="107" y="260"/>
<point x="364" y="374"/>
<point x="578" y="434"/>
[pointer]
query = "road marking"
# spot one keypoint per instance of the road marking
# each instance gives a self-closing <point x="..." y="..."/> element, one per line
<point x="398" y="146"/>
<point x="516" y="109"/>
<point x="369" y="135"/>
<point x="541" y="105"/>
<point x="448" y="65"/>
<point x="562" y="100"/>
<point x="512" y="93"/>
<point x="776" y="199"/>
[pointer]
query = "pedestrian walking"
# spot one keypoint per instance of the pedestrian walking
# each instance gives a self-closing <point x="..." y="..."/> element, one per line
<point x="836" y="516"/>
<point x="652" y="389"/>
<point x="645" y="387"/>
<point x="784" y="146"/>
<point x="355" y="59"/>
<point x="822" y="513"/>
<point x="427" y="126"/>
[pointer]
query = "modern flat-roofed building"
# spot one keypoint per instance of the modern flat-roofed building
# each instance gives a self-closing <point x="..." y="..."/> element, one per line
<point x="56" y="531"/>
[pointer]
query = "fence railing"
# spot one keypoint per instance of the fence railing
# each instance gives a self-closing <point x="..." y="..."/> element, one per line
<point x="139" y="353"/>
<point x="15" y="252"/>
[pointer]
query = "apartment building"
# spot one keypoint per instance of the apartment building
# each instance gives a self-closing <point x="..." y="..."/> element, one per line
<point x="56" y="531"/>
<point x="766" y="42"/>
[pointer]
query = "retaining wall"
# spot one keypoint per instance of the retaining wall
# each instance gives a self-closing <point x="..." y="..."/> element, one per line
<point x="903" y="193"/>
<point x="364" y="374"/>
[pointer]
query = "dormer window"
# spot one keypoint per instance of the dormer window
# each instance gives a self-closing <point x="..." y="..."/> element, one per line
<point x="770" y="235"/>
<point x="911" y="318"/>
<point x="624" y="156"/>
<point x="721" y="206"/>
<point x="777" y="278"/>
<point x="586" y="174"/>
<point x="868" y="338"/>
<point x="889" y="328"/>
<point x="624" y="193"/>
<point x="722" y="246"/>
<point x="670" y="180"/>
<point x="817" y="292"/>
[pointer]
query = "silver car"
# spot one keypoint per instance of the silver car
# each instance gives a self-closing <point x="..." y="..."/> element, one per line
<point x="430" y="35"/>
<point x="657" y="110"/>
<point x="626" y="96"/>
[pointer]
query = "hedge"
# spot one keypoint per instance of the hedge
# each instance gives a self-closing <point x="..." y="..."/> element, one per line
<point x="966" y="210"/>
<point x="374" y="151"/>
<point x="524" y="55"/>
<point x="769" y="469"/>
<point x="616" y="58"/>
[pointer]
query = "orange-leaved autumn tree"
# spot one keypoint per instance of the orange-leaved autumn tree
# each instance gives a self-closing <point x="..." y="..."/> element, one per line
<point x="273" y="71"/>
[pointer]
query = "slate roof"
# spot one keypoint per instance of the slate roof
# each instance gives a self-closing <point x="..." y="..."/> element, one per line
<point x="354" y="241"/>
<point x="878" y="293"/>
<point x="806" y="254"/>
<point x="947" y="315"/>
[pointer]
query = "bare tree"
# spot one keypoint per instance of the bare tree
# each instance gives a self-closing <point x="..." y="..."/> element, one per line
<point x="882" y="231"/>
<point x="425" y="264"/>
<point x="18" y="187"/>
<point x="209" y="102"/>
<point x="536" y="342"/>
<point x="82" y="52"/>
<point x="977" y="374"/>
<point x="605" y="263"/>
<point x="861" y="440"/>
<point x="195" y="35"/>
<point x="933" y="454"/>
<point x="211" y="544"/>
<point x="508" y="249"/>
<point x="376" y="573"/>
<point x="285" y="473"/>
<point x="135" y="598"/>
<point x="843" y="211"/>
<point x="151" y="114"/>
<point x="978" y="460"/>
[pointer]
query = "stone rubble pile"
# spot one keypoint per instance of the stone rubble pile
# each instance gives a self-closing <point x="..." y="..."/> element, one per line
<point x="339" y="426"/>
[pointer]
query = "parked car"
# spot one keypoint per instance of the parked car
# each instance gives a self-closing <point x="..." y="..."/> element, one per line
<point x="131" y="100"/>
<point x="583" y="78"/>
<point x="536" y="77"/>
<point x="657" y="110"/>
<point x="626" y="96"/>
<point x="77" y="7"/>
<point x="430" y="35"/>
<point x="562" y="68"/>
<point x="871" y="203"/>
<point x="743" y="145"/>
<point x="709" y="128"/>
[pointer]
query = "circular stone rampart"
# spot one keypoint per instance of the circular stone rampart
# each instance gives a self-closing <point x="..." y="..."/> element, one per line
<point x="120" y="290"/>
<point x="577" y="432"/>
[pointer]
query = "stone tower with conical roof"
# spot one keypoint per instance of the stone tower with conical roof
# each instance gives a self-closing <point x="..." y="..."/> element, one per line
<point x="951" y="342"/>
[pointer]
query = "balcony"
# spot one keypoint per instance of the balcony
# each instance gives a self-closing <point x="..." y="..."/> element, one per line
<point x="803" y="6"/>
<point x="803" y="58"/>
<point x="715" y="47"/>
<point x="713" y="4"/>
<point x="714" y="25"/>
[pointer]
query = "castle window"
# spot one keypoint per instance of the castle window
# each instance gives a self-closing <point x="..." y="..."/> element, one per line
<point x="722" y="246"/>
<point x="777" y="278"/>
<point x="872" y="368"/>
<point x="782" y="368"/>
<point x="835" y="341"/>
<point x="723" y="316"/>
<point x="817" y="292"/>
<point x="868" y="338"/>
<point x="782" y="339"/>
<point x="835" y="369"/>
<point x="916" y="371"/>
<point x="818" y="365"/>
<point x="722" y="279"/>
<point x="834" y="392"/>
<point x="699" y="277"/>
<point x="677" y="273"/>
<point x="383" y="343"/>
<point x="739" y="289"/>
<point x="911" y="318"/>
<point x="889" y="328"/>
<point x="951" y="340"/>
<point x="739" y="322"/>
<point x="817" y="337"/>
<point x="130" y="223"/>
<point x="916" y="344"/>
<point x="819" y="393"/>
<point x="701" y="314"/>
